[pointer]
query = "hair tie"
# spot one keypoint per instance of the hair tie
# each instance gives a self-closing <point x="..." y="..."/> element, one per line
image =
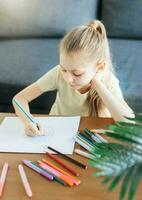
<point x="92" y="26"/>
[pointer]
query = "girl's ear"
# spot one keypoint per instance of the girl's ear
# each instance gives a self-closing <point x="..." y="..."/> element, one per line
<point x="101" y="67"/>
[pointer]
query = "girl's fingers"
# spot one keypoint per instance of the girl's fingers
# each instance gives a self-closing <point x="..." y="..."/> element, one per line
<point x="29" y="132"/>
<point x="40" y="129"/>
<point x="34" y="129"/>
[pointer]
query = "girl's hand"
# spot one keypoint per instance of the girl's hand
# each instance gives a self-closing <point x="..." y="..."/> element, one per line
<point x="98" y="77"/>
<point x="32" y="129"/>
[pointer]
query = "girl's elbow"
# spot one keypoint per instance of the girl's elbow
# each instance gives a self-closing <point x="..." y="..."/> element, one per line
<point x="123" y="117"/>
<point x="15" y="97"/>
<point x="130" y="113"/>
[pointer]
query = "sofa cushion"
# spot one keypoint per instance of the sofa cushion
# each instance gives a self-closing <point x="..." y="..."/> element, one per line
<point x="122" y="18"/>
<point x="127" y="64"/>
<point x="23" y="61"/>
<point x="35" y="18"/>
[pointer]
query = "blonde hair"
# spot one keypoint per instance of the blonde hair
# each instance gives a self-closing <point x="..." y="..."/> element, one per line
<point x="92" y="40"/>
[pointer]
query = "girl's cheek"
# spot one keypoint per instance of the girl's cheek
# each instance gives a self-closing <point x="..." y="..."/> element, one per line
<point x="64" y="76"/>
<point x="86" y="79"/>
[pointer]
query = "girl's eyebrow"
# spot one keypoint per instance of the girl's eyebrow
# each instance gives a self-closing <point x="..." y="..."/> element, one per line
<point x="74" y="70"/>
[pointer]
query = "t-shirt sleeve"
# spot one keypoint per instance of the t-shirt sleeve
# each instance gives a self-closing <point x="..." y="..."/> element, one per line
<point x="48" y="82"/>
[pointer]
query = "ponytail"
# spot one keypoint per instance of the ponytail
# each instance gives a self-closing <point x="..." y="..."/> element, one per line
<point x="96" y="25"/>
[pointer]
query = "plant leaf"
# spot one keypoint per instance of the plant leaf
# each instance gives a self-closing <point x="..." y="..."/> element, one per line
<point x="125" y="183"/>
<point x="122" y="159"/>
<point x="135" y="181"/>
<point x="115" y="181"/>
<point x="107" y="179"/>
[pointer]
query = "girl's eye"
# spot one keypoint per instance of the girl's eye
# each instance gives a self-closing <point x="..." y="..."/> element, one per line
<point x="63" y="70"/>
<point x="74" y="74"/>
<point x="77" y="74"/>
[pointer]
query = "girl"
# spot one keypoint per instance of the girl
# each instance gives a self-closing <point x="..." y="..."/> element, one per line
<point x="84" y="79"/>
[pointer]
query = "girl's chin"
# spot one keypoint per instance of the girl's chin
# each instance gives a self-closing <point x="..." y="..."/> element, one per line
<point x="76" y="87"/>
<point x="80" y="88"/>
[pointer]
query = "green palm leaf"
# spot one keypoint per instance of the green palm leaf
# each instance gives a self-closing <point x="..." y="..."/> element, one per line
<point x="125" y="183"/>
<point x="115" y="181"/>
<point x="135" y="181"/>
<point x="122" y="160"/>
<point x="107" y="179"/>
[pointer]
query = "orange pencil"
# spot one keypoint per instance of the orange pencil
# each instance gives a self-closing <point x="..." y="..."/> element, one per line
<point x="55" y="158"/>
<point x="75" y="181"/>
<point x="55" y="172"/>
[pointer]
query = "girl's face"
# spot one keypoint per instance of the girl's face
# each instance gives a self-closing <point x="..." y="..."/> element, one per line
<point x="77" y="70"/>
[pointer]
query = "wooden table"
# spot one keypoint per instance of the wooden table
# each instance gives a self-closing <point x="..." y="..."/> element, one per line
<point x="89" y="189"/>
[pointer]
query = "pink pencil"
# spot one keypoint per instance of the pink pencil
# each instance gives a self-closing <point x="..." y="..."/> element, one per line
<point x="3" y="177"/>
<point x="25" y="181"/>
<point x="56" y="173"/>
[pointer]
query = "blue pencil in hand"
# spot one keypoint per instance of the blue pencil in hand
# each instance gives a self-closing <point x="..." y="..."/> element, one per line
<point x="27" y="115"/>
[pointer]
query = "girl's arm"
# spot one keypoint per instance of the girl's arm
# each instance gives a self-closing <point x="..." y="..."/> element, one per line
<point x="116" y="106"/>
<point x="24" y="97"/>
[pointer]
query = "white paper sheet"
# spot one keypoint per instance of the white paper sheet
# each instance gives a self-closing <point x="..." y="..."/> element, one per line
<point x="60" y="135"/>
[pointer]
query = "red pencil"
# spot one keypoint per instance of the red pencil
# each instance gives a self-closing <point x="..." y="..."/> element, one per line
<point x="55" y="158"/>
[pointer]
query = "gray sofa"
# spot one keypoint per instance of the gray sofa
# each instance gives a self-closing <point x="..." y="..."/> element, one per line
<point x="30" y="33"/>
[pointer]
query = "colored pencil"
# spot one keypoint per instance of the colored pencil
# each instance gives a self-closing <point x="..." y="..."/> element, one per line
<point x="28" y="115"/>
<point x="95" y="137"/>
<point x="25" y="181"/>
<point x="57" y="179"/>
<point x="57" y="173"/>
<point x="76" y="181"/>
<point x="85" y="154"/>
<point x="38" y="170"/>
<point x="55" y="158"/>
<point x="3" y="177"/>
<point x="86" y="138"/>
<point x="69" y="158"/>
<point x="84" y="145"/>
<point x="82" y="139"/>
